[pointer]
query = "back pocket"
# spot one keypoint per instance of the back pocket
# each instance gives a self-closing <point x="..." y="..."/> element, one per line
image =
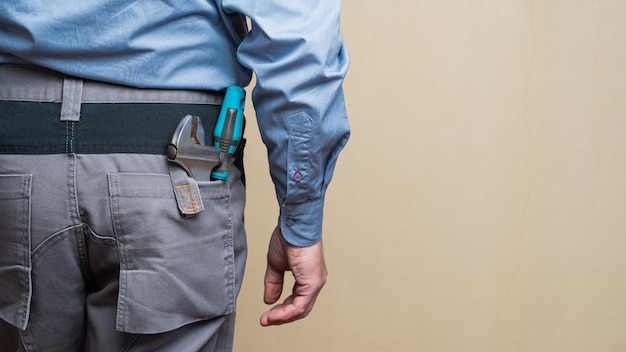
<point x="173" y="270"/>
<point x="15" y="264"/>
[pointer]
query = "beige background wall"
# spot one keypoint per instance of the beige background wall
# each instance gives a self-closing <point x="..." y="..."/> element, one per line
<point x="481" y="202"/>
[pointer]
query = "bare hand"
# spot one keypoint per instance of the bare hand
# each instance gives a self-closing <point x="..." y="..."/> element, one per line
<point x="309" y="270"/>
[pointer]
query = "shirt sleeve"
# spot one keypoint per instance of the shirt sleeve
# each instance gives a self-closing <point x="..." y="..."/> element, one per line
<point x="297" y="52"/>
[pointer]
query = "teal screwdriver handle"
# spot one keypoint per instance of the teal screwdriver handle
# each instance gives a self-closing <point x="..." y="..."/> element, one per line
<point x="229" y="128"/>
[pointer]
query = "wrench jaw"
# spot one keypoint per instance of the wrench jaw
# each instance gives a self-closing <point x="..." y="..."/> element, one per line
<point x="188" y="149"/>
<point x="199" y="169"/>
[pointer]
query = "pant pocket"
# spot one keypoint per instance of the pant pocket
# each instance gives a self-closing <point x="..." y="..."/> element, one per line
<point x="15" y="260"/>
<point x="173" y="270"/>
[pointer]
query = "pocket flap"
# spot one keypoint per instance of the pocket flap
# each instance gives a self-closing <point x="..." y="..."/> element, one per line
<point x="15" y="262"/>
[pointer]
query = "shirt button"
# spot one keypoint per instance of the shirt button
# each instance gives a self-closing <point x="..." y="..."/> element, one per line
<point x="290" y="222"/>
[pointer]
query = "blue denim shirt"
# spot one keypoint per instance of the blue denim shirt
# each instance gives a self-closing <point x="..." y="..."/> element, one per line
<point x="295" y="49"/>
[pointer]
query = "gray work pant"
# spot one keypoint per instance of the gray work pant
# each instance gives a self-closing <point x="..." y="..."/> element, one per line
<point x="105" y="246"/>
<point x="95" y="255"/>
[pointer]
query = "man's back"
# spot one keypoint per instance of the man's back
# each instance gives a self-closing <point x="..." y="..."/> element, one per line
<point x="185" y="44"/>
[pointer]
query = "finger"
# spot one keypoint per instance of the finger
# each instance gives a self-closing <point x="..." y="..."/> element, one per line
<point x="273" y="285"/>
<point x="294" y="308"/>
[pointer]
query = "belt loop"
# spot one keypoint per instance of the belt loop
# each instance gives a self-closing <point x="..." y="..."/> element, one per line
<point x="72" y="98"/>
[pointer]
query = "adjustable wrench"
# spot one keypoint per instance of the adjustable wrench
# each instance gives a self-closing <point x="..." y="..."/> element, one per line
<point x="189" y="150"/>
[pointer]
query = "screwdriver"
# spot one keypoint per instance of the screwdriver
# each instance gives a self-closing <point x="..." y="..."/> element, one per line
<point x="229" y="128"/>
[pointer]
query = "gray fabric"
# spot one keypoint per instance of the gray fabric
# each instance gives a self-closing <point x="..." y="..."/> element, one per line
<point x="72" y="98"/>
<point x="93" y="249"/>
<point x="97" y="240"/>
<point x="17" y="82"/>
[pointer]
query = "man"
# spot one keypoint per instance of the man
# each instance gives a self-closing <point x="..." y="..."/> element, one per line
<point x="106" y="243"/>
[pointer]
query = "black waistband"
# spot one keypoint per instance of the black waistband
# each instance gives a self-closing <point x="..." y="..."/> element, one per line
<point x="146" y="128"/>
